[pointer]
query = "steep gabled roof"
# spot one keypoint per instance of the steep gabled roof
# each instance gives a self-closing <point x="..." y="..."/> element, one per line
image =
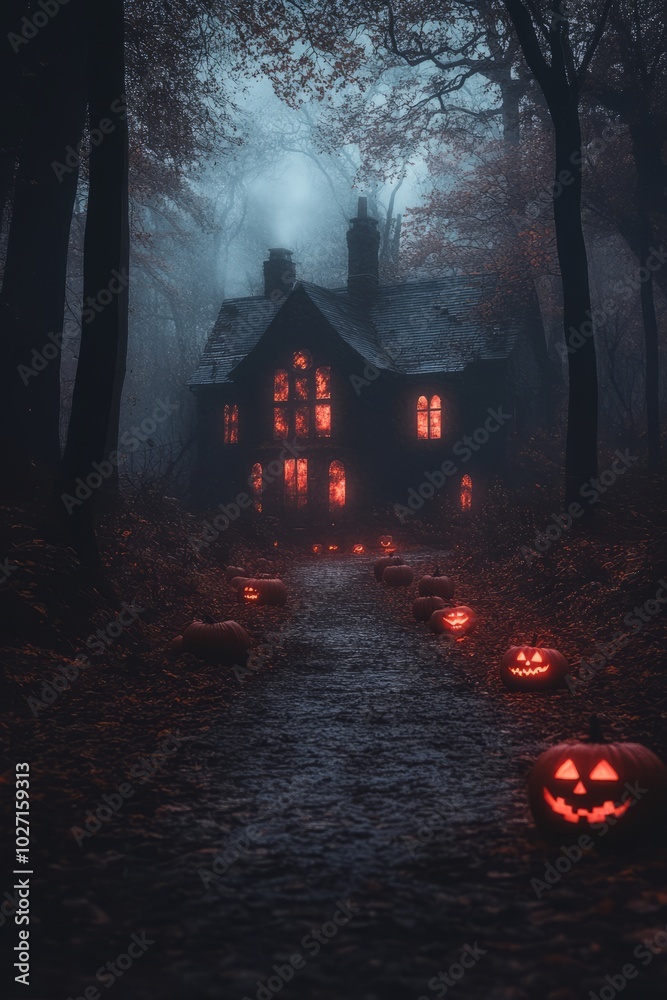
<point x="416" y="327"/>
<point x="434" y="325"/>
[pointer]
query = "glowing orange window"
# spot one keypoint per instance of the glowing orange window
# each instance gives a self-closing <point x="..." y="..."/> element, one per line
<point x="466" y="493"/>
<point x="296" y="482"/>
<point x="231" y="424"/>
<point x="323" y="419"/>
<point x="280" y="422"/>
<point x="429" y="417"/>
<point x="336" y="486"/>
<point x="301" y="387"/>
<point x="301" y="421"/>
<point x="302" y="360"/>
<point x="435" y="417"/>
<point x="422" y="417"/>
<point x="256" y="485"/>
<point x="323" y="383"/>
<point x="280" y="386"/>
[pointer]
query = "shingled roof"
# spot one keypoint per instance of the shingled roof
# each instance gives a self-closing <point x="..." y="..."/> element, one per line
<point x="414" y="327"/>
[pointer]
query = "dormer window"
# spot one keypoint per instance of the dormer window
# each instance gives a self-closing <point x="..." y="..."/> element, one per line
<point x="429" y="418"/>
<point x="230" y="430"/>
<point x="302" y="399"/>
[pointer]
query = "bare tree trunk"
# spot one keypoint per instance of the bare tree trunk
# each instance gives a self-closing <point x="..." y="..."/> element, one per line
<point x="33" y="289"/>
<point x="90" y="457"/>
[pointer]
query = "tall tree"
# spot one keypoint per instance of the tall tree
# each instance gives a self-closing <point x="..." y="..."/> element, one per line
<point x="544" y="33"/>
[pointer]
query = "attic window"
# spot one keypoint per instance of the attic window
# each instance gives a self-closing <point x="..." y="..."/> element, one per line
<point x="302" y="360"/>
<point x="429" y="418"/>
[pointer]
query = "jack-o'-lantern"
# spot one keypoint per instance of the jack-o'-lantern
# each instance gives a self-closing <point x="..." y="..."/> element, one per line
<point x="332" y="548"/>
<point x="381" y="564"/>
<point x="610" y="788"/>
<point x="317" y="549"/>
<point x="358" y="549"/>
<point x="218" y="642"/>
<point x="386" y="541"/>
<point x="423" y="607"/>
<point x="233" y="571"/>
<point x="454" y="621"/>
<point x="399" y="575"/>
<point x="436" y="585"/>
<point x="262" y="591"/>
<point x="533" y="668"/>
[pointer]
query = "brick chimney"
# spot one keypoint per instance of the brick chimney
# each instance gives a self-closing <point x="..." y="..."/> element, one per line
<point x="279" y="274"/>
<point x="363" y="245"/>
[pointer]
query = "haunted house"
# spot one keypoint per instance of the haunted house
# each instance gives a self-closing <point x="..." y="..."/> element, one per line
<point x="315" y="404"/>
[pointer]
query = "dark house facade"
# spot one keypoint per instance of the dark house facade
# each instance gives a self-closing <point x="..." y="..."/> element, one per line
<point x="320" y="404"/>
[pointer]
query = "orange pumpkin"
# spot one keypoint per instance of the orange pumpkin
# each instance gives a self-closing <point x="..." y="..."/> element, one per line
<point x="358" y="549"/>
<point x="398" y="576"/>
<point x="317" y="549"/>
<point x="385" y="541"/>
<point x="436" y="585"/>
<point x="589" y="786"/>
<point x="455" y="621"/>
<point x="263" y="591"/>
<point x="220" y="642"/>
<point x="533" y="668"/>
<point x="381" y="564"/>
<point x="423" y="607"/>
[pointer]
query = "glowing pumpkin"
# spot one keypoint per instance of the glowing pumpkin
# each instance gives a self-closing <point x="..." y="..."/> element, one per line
<point x="332" y="548"/>
<point x="233" y="571"/>
<point x="590" y="785"/>
<point x="423" y="607"/>
<point x="455" y="621"/>
<point x="219" y="642"/>
<point x="317" y="550"/>
<point x="436" y="585"/>
<point x="263" y="591"/>
<point x="399" y="575"/>
<point x="533" y="668"/>
<point x="381" y="564"/>
<point x="358" y="549"/>
<point x="385" y="541"/>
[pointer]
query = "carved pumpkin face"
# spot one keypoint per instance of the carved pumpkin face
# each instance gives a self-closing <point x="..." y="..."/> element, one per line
<point x="586" y="784"/>
<point x="455" y="622"/>
<point x="332" y="548"/>
<point x="358" y="549"/>
<point x="386" y="541"/>
<point x="533" y="668"/>
<point x="263" y="591"/>
<point x="317" y="550"/>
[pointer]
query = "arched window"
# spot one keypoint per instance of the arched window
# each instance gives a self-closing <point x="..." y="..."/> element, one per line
<point x="257" y="485"/>
<point x="322" y="408"/>
<point x="466" y="493"/>
<point x="231" y="424"/>
<point x="296" y="482"/>
<point x="336" y="486"/>
<point x="429" y="418"/>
